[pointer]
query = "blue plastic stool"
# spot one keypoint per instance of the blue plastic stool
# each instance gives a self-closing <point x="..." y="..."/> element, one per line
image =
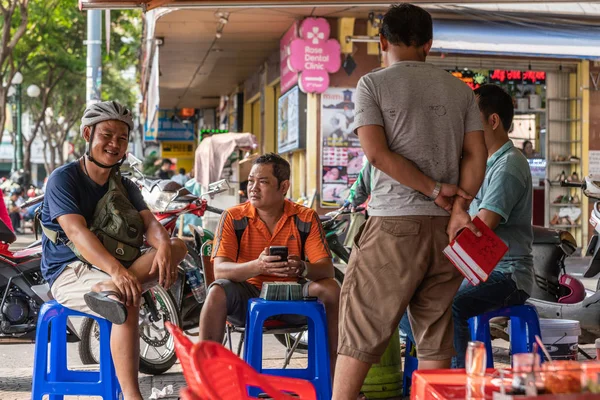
<point x="411" y="364"/>
<point x="50" y="373"/>
<point x="318" y="371"/>
<point x="524" y="325"/>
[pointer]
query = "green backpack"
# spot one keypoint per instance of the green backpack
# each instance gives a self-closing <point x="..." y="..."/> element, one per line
<point x="116" y="222"/>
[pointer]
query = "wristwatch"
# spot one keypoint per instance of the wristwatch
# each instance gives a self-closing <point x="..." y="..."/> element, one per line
<point x="436" y="191"/>
<point x="305" y="270"/>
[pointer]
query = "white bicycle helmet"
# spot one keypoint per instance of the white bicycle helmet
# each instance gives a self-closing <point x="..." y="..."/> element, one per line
<point x="104" y="111"/>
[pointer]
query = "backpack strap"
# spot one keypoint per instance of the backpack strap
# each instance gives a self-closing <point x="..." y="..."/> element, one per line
<point x="115" y="182"/>
<point x="239" y="225"/>
<point x="304" y="230"/>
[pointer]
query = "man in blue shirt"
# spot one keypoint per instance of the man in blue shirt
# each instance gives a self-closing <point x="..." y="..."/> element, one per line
<point x="105" y="287"/>
<point x="504" y="203"/>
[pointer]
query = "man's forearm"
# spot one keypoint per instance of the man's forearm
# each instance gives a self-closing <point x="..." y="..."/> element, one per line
<point x="472" y="173"/>
<point x="235" y="272"/>
<point x="403" y="170"/>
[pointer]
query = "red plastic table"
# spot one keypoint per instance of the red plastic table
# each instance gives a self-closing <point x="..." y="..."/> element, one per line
<point x="450" y="384"/>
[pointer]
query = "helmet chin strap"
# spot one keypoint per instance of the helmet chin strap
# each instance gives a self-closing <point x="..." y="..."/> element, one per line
<point x="88" y="153"/>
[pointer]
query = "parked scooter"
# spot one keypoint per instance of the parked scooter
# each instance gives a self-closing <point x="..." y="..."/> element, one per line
<point x="556" y="294"/>
<point x="23" y="290"/>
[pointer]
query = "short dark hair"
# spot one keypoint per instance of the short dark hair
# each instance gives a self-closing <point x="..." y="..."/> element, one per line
<point x="182" y="171"/>
<point x="166" y="161"/>
<point x="494" y="100"/>
<point x="281" y="168"/>
<point x="408" y="24"/>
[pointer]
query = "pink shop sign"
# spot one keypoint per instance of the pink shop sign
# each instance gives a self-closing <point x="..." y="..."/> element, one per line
<point x="289" y="78"/>
<point x="314" y="55"/>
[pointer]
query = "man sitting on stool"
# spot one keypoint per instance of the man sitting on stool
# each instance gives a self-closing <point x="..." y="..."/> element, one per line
<point x="241" y="269"/>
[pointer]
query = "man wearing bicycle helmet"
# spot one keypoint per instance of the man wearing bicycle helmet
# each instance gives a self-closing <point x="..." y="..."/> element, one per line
<point x="104" y="287"/>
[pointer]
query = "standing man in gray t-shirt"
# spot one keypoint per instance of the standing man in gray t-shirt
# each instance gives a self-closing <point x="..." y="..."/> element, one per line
<point x="421" y="129"/>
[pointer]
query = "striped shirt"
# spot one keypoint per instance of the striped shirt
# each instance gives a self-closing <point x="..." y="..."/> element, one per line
<point x="257" y="236"/>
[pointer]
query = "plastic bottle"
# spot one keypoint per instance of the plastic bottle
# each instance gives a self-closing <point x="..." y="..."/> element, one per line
<point x="196" y="281"/>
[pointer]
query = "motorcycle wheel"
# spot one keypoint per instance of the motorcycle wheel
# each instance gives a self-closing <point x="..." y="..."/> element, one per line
<point x="303" y="344"/>
<point x="157" y="350"/>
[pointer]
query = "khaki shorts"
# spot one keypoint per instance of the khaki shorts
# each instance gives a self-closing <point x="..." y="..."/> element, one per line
<point x="397" y="262"/>
<point x="76" y="280"/>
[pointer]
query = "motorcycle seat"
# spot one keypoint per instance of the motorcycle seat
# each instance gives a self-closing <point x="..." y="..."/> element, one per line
<point x="324" y="218"/>
<point x="542" y="235"/>
<point x="26" y="254"/>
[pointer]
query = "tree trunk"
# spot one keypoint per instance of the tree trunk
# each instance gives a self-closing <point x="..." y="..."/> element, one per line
<point x="3" y="93"/>
<point x="27" y="156"/>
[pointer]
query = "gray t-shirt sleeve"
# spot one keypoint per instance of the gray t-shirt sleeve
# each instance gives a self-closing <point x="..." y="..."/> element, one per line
<point x="472" y="116"/>
<point x="367" y="111"/>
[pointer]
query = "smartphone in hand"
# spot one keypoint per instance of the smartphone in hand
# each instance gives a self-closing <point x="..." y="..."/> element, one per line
<point x="281" y="251"/>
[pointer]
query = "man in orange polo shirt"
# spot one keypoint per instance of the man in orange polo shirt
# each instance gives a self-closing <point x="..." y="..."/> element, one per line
<point x="241" y="270"/>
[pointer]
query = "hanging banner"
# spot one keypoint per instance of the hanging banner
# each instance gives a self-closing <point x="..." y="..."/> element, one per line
<point x="314" y="55"/>
<point x="341" y="154"/>
<point x="289" y="78"/>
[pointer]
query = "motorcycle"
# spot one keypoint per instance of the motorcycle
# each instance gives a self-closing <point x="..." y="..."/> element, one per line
<point x="23" y="290"/>
<point x="167" y="200"/>
<point x="556" y="294"/>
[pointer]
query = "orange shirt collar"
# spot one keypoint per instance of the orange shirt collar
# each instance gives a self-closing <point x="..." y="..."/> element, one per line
<point x="289" y="209"/>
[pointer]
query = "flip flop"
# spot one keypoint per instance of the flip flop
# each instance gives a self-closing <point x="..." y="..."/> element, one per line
<point x="107" y="308"/>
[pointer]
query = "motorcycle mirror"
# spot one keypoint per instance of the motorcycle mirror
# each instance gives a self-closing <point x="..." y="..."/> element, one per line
<point x="133" y="160"/>
<point x="217" y="187"/>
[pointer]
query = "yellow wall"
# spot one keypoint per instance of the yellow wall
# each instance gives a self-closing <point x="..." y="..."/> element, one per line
<point x="256" y="128"/>
<point x="270" y="144"/>
<point x="312" y="147"/>
<point x="584" y="78"/>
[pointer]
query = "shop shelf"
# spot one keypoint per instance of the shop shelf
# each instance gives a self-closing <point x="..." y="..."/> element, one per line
<point x="564" y="162"/>
<point x="564" y="98"/>
<point x="566" y="226"/>
<point x="532" y="111"/>
<point x="564" y="141"/>
<point x="565" y="120"/>
<point x="578" y="205"/>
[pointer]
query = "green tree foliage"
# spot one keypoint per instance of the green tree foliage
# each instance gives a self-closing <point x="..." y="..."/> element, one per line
<point x="13" y="24"/>
<point x="55" y="60"/>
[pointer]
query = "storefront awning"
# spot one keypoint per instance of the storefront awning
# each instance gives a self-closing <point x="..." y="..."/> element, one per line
<point x="511" y="39"/>
<point x="151" y="4"/>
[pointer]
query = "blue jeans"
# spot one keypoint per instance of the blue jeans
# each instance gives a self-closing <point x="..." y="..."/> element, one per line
<point x="498" y="291"/>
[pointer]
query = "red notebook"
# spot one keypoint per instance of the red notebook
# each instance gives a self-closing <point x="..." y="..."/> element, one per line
<point x="476" y="257"/>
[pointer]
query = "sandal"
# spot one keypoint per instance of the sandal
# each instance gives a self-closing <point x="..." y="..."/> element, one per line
<point x="109" y="309"/>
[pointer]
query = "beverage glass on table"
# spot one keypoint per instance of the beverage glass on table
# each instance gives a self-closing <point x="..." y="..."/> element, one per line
<point x="475" y="363"/>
